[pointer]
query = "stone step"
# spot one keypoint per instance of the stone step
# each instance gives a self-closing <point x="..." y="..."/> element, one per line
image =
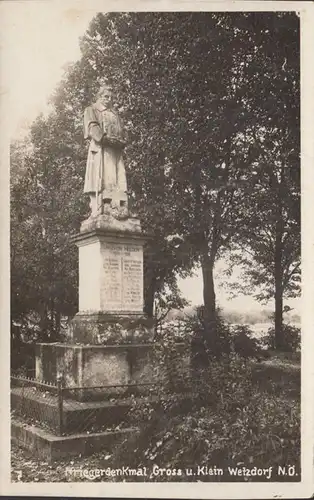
<point x="40" y="408"/>
<point x="47" y="446"/>
<point x="76" y="416"/>
<point x="80" y="416"/>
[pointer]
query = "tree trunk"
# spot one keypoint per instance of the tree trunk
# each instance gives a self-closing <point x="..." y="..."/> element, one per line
<point x="52" y="320"/>
<point x="58" y="322"/>
<point x="277" y="183"/>
<point x="208" y="287"/>
<point x="279" y="337"/>
<point x="209" y="303"/>
<point x="150" y="291"/>
<point x="43" y="324"/>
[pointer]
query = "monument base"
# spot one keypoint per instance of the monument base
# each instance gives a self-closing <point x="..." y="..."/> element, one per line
<point x="108" y="222"/>
<point x="102" y="328"/>
<point x="104" y="369"/>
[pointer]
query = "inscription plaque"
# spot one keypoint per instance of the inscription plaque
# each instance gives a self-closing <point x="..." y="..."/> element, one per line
<point x="122" y="287"/>
<point x="112" y="286"/>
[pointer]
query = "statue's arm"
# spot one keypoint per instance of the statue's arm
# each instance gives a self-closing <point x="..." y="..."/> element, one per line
<point x="95" y="132"/>
<point x="92" y="129"/>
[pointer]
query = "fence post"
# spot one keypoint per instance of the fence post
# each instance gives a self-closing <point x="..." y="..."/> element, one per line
<point x="60" y="403"/>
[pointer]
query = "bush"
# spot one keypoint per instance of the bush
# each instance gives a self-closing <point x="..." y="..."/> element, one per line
<point x="227" y="381"/>
<point x="243" y="342"/>
<point x="228" y="411"/>
<point x="172" y="360"/>
<point x="236" y="338"/>
<point x="292" y="338"/>
<point x="22" y="355"/>
<point x="195" y="327"/>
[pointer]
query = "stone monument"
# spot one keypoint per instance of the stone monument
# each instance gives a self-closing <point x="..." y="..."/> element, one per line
<point x="109" y="345"/>
<point x="109" y="339"/>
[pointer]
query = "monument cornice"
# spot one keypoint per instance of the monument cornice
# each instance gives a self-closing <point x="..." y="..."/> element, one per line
<point x="104" y="233"/>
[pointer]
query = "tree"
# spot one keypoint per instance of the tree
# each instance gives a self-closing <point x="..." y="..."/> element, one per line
<point x="43" y="261"/>
<point x="270" y="245"/>
<point x="20" y="149"/>
<point x="215" y="177"/>
<point x="271" y="224"/>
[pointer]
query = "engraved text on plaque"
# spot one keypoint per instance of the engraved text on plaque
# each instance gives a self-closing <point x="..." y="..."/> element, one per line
<point x="122" y="281"/>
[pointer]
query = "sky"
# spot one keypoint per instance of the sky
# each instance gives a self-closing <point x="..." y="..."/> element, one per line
<point x="38" y="38"/>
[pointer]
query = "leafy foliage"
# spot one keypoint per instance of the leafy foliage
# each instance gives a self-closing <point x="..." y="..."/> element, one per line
<point x="243" y="342"/>
<point x="268" y="248"/>
<point x="195" y="328"/>
<point x="292" y="336"/>
<point x="236" y="338"/>
<point x="227" y="411"/>
<point x="45" y="211"/>
<point x="170" y="298"/>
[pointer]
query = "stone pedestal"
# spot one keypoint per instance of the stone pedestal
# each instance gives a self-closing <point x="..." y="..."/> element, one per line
<point x="111" y="297"/>
<point x="109" y="341"/>
<point x="97" y="365"/>
<point x="110" y="272"/>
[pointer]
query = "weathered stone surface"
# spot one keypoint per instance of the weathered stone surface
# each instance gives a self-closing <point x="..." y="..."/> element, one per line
<point x="91" y="365"/>
<point x="92" y="416"/>
<point x="110" y="272"/>
<point x="108" y="222"/>
<point x="52" y="359"/>
<point x="101" y="328"/>
<point x="49" y="447"/>
<point x="31" y="405"/>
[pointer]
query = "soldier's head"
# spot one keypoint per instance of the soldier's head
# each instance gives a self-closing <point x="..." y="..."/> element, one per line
<point x="105" y="95"/>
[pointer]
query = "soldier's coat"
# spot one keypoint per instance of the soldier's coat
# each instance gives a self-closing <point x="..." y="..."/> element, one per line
<point x="105" y="169"/>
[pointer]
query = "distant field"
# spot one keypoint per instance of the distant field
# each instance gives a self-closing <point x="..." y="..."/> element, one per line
<point x="260" y="329"/>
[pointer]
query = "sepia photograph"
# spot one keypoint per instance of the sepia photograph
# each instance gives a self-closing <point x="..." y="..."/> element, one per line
<point x="156" y="315"/>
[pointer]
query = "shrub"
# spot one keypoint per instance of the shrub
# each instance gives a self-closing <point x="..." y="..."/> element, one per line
<point x="243" y="342"/>
<point x="195" y="327"/>
<point x="22" y="356"/>
<point x="230" y="421"/>
<point x="292" y="338"/>
<point x="172" y="360"/>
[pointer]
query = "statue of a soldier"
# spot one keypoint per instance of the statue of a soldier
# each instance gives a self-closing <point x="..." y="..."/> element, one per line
<point x="105" y="178"/>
